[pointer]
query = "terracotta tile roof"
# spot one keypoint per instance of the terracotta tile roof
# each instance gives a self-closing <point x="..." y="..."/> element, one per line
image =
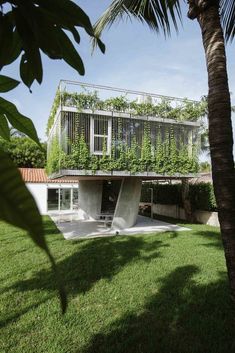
<point x="38" y="175"/>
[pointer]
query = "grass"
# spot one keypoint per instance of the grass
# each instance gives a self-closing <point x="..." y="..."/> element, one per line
<point x="165" y="293"/>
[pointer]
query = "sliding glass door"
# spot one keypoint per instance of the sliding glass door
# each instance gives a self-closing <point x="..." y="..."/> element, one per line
<point x="65" y="199"/>
<point x="62" y="199"/>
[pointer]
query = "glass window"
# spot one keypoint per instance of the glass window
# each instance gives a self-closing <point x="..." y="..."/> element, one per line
<point x="65" y="199"/>
<point x="75" y="199"/>
<point x="100" y="126"/>
<point x="99" y="143"/>
<point x="68" y="199"/>
<point x="53" y="199"/>
<point x="101" y="131"/>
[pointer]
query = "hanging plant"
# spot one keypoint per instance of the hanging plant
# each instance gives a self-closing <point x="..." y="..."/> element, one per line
<point x="54" y="108"/>
<point x="132" y="156"/>
<point x="105" y="161"/>
<point x="94" y="163"/>
<point x="146" y="153"/>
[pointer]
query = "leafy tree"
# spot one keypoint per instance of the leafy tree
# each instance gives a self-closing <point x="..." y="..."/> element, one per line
<point x="24" y="152"/>
<point x="27" y="29"/>
<point x="205" y="167"/>
<point x="216" y="18"/>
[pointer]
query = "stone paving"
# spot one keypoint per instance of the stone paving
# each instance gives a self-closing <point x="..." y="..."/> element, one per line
<point x="72" y="228"/>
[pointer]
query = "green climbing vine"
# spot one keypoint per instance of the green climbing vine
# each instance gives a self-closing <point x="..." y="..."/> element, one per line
<point x="164" y="158"/>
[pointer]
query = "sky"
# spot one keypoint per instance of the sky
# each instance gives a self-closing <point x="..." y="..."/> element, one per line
<point x="136" y="58"/>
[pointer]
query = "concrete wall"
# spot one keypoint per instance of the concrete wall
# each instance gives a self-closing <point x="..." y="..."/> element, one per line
<point x="174" y="211"/>
<point x="127" y="204"/>
<point x="90" y="198"/>
<point x="206" y="217"/>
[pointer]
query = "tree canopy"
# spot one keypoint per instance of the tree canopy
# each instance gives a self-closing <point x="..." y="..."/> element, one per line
<point x="24" y="152"/>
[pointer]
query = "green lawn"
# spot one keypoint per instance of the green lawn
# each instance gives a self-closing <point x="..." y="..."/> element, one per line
<point x="165" y="293"/>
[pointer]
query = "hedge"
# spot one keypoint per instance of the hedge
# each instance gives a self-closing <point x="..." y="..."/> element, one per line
<point x="201" y="195"/>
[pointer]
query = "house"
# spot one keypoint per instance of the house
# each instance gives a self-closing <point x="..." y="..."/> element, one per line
<point x="111" y="144"/>
<point x="50" y="195"/>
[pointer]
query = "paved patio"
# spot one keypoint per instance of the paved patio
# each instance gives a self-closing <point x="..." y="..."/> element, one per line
<point x="73" y="228"/>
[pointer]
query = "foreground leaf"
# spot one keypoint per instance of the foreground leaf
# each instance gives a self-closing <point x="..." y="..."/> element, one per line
<point x="4" y="128"/>
<point x="17" y="120"/>
<point x="19" y="208"/>
<point x="7" y="83"/>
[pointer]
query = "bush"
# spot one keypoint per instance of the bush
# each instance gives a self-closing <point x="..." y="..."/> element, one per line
<point x="201" y="195"/>
<point x="167" y="194"/>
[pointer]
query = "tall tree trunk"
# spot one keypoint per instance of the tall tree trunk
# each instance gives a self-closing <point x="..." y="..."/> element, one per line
<point x="220" y="126"/>
<point x="186" y="201"/>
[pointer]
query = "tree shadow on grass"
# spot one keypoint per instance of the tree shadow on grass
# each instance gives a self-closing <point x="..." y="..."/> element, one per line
<point x="89" y="262"/>
<point x="183" y="317"/>
<point x="213" y="236"/>
<point x="94" y="260"/>
<point x="50" y="227"/>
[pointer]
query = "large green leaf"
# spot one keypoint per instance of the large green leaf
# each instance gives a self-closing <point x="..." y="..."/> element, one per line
<point x="67" y="12"/>
<point x="26" y="73"/>
<point x="6" y="37"/>
<point x="17" y="205"/>
<point x="17" y="120"/>
<point x="70" y="55"/>
<point x="24" y="24"/>
<point x="42" y="25"/>
<point x="4" y="128"/>
<point x="14" y="49"/>
<point x="19" y="208"/>
<point x="7" y="83"/>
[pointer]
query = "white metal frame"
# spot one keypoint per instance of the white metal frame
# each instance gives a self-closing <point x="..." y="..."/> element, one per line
<point x="93" y="135"/>
<point x="71" y="188"/>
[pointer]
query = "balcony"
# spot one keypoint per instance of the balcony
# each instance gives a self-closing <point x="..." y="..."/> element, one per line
<point x="97" y="131"/>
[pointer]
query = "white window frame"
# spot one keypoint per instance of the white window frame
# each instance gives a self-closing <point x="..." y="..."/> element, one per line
<point x="108" y="136"/>
<point x="59" y="187"/>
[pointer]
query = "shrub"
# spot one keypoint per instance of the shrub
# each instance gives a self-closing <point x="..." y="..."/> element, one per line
<point x="201" y="195"/>
<point x="167" y="194"/>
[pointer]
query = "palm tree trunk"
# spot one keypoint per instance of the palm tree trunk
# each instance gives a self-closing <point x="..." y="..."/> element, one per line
<point x="220" y="131"/>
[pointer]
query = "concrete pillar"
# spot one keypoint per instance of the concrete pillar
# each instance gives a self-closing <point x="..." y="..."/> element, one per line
<point x="127" y="207"/>
<point x="90" y="198"/>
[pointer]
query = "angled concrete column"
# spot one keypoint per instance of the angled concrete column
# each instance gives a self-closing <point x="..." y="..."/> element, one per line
<point x="90" y="198"/>
<point x="127" y="207"/>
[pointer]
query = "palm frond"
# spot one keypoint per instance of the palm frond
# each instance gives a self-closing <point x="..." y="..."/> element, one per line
<point x="157" y="14"/>
<point x="227" y="8"/>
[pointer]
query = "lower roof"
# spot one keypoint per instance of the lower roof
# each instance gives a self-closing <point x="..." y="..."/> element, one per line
<point x="38" y="175"/>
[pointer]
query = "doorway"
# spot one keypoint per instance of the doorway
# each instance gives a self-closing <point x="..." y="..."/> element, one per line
<point x="110" y="194"/>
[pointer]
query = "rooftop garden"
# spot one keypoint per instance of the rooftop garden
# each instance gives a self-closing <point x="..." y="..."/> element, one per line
<point x="185" y="110"/>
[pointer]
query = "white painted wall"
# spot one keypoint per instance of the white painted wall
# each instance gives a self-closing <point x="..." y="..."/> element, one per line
<point x="39" y="192"/>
